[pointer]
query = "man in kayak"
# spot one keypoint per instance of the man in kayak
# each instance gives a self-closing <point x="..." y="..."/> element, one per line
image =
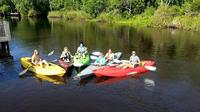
<point x="100" y="60"/>
<point x="109" y="55"/>
<point x="81" y="50"/>
<point x="66" y="55"/>
<point x="134" y="61"/>
<point x="35" y="59"/>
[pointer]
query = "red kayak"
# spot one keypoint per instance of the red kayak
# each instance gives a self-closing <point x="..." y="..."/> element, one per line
<point x="112" y="71"/>
<point x="65" y="65"/>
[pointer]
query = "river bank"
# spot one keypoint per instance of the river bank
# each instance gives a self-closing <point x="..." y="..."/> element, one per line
<point x="163" y="17"/>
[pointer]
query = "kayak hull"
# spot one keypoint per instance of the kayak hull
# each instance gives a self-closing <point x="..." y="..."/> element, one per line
<point x="87" y="72"/>
<point x="52" y="69"/>
<point x="55" y="79"/>
<point x="65" y="65"/>
<point x="113" y="71"/>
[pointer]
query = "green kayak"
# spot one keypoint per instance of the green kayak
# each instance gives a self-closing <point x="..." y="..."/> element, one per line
<point x="81" y="61"/>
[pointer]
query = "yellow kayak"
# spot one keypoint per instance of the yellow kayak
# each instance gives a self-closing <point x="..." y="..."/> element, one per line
<point x="52" y="69"/>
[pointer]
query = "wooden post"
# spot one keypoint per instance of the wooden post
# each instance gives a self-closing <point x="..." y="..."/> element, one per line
<point x="4" y="38"/>
<point x="5" y="50"/>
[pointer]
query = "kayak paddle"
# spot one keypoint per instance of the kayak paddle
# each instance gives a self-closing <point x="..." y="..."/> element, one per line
<point x="25" y="70"/>
<point x="93" y="57"/>
<point x="96" y="53"/>
<point x="151" y="68"/>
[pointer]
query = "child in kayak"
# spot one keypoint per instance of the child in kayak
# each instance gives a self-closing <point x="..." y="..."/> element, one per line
<point x="134" y="61"/>
<point x="66" y="55"/>
<point x="100" y="60"/>
<point x="109" y="55"/>
<point x="81" y="50"/>
<point x="35" y="59"/>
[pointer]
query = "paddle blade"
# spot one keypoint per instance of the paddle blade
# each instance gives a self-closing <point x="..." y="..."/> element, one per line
<point x="23" y="72"/>
<point x="151" y="68"/>
<point x="93" y="57"/>
<point x="55" y="60"/>
<point x="78" y="64"/>
<point x="132" y="73"/>
<point x="51" y="53"/>
<point x="117" y="61"/>
<point x="96" y="53"/>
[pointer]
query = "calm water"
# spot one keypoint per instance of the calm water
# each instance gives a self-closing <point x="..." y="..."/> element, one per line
<point x="174" y="87"/>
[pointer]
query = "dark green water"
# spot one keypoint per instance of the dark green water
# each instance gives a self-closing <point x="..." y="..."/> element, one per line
<point x="174" y="87"/>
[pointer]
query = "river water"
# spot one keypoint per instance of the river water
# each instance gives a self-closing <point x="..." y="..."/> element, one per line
<point x="173" y="87"/>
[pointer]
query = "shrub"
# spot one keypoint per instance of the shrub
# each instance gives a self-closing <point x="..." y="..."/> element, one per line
<point x="109" y="17"/>
<point x="164" y="15"/>
<point x="55" y="14"/>
<point x="76" y="15"/>
<point x="32" y="13"/>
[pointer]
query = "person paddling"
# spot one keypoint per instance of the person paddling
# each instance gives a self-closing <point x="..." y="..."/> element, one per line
<point x="35" y="59"/>
<point x="134" y="61"/>
<point x="81" y="50"/>
<point x="66" y="55"/>
<point x="109" y="55"/>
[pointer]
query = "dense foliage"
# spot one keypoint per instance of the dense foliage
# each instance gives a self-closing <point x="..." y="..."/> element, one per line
<point x="160" y="13"/>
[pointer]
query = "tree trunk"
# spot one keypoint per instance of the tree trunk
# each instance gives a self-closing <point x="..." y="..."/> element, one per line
<point x="130" y="6"/>
<point x="50" y="5"/>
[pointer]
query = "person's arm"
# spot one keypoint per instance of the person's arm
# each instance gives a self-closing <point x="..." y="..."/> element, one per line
<point x="106" y="55"/>
<point x="96" y="61"/>
<point x="130" y="59"/>
<point x="112" y="56"/>
<point x="138" y="59"/>
<point x="32" y="60"/>
<point x="86" y="50"/>
<point x="70" y="55"/>
<point x="62" y="55"/>
<point x="78" y="49"/>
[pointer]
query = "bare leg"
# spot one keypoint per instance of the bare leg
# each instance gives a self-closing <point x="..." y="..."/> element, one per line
<point x="40" y="63"/>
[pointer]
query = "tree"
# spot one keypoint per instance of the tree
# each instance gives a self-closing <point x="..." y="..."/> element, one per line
<point x="56" y="4"/>
<point x="95" y="7"/>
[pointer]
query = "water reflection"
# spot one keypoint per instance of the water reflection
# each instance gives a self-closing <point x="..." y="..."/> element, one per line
<point x="176" y="54"/>
<point x="110" y="80"/>
<point x="40" y="79"/>
<point x="160" y="45"/>
<point x="58" y="80"/>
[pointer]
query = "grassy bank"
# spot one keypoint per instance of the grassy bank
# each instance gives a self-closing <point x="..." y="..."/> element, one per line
<point x="70" y="15"/>
<point x="162" y="17"/>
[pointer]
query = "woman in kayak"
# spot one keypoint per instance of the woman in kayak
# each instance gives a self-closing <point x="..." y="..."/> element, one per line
<point x="134" y="61"/>
<point x="66" y="55"/>
<point x="81" y="50"/>
<point x="101" y="60"/>
<point x="35" y="59"/>
<point x="109" y="55"/>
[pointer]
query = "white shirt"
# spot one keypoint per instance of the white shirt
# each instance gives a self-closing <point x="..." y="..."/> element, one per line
<point x="134" y="59"/>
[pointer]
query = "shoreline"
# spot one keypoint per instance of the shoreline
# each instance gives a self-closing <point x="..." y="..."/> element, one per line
<point x="157" y="20"/>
